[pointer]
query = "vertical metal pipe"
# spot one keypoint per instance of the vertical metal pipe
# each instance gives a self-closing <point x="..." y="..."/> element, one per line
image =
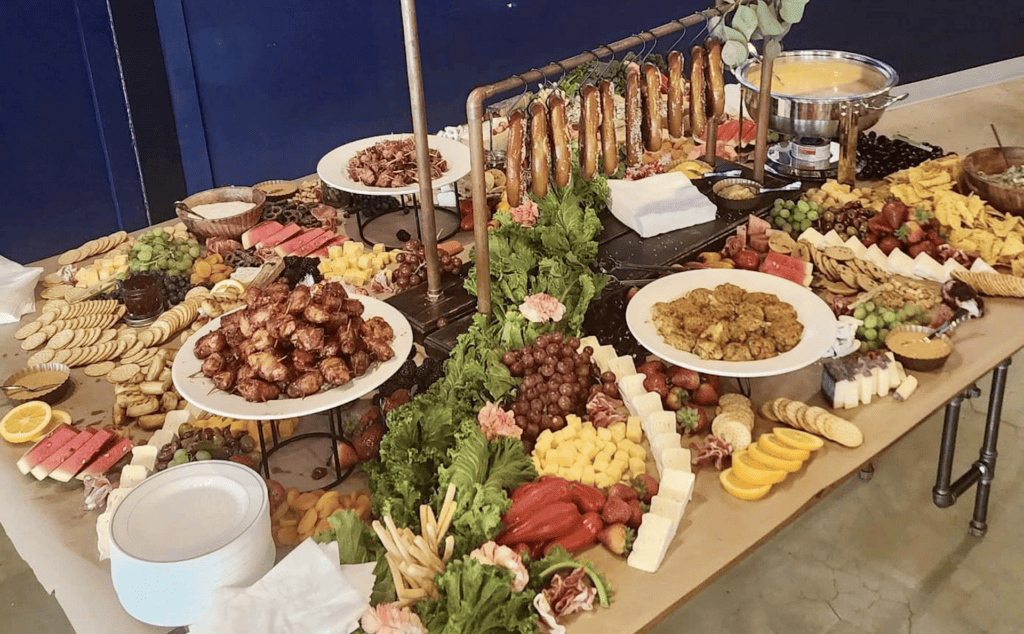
<point x="482" y="254"/>
<point x="987" y="462"/>
<point x="428" y="229"/>
<point x="941" y="494"/>
<point x="764" y="95"/>
<point x="849" y="122"/>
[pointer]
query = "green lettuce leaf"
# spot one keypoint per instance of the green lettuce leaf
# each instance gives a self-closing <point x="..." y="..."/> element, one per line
<point x="477" y="599"/>
<point x="358" y="544"/>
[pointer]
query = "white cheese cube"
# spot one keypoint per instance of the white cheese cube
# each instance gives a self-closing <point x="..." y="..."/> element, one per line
<point x="668" y="508"/>
<point x="652" y="541"/>
<point x="813" y="236"/>
<point x="645" y="556"/>
<point x="645" y="404"/>
<point x="174" y="419"/>
<point x="602" y="355"/>
<point x="661" y="442"/>
<point x="631" y="385"/>
<point x="678" y="459"/>
<point x="131" y="476"/>
<point x="676" y="485"/>
<point x="661" y="422"/>
<point x="145" y="457"/>
<point x="622" y="366"/>
<point x="160" y="438"/>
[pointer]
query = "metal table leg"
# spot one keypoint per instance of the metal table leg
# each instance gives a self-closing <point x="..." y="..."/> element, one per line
<point x="982" y="472"/>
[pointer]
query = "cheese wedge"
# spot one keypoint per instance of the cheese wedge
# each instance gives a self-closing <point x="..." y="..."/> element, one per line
<point x="622" y="366"/>
<point x="652" y="541"/>
<point x="131" y="476"/>
<point x="630" y="385"/>
<point x="676" y="485"/>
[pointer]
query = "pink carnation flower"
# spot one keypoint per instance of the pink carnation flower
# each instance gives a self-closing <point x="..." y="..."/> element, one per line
<point x="388" y="618"/>
<point x="542" y="307"/>
<point x="497" y="423"/>
<point x="525" y="214"/>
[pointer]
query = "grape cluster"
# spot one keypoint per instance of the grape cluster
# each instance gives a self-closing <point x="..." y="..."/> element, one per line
<point x="159" y="251"/>
<point x="879" y="320"/>
<point x="210" y="443"/>
<point x="850" y="220"/>
<point x="878" y="155"/>
<point x="412" y="268"/>
<point x="296" y="268"/>
<point x="794" y="217"/>
<point x="557" y="381"/>
<point x="173" y="287"/>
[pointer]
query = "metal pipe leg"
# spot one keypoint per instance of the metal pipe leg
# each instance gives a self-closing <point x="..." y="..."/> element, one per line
<point x="941" y="494"/>
<point x="867" y="471"/>
<point x="987" y="461"/>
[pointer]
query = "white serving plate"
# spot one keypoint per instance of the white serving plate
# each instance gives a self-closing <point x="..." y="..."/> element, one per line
<point x="333" y="167"/>
<point x="198" y="390"/>
<point x="815" y="315"/>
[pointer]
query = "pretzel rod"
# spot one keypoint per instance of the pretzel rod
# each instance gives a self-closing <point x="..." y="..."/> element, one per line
<point x="417" y="570"/>
<point x="423" y="516"/>
<point x="431" y="535"/>
<point x="446" y="519"/>
<point x="390" y="523"/>
<point x="396" y="572"/>
<point x="382" y="534"/>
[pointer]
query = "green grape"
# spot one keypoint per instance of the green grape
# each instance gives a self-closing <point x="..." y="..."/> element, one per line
<point x="778" y="203"/>
<point x="803" y="206"/>
<point x="812" y="214"/>
<point x="865" y="346"/>
<point x="889" y="317"/>
<point x="805" y="225"/>
<point x="788" y="228"/>
<point x="871" y="334"/>
<point x="882" y="334"/>
<point x="859" y="313"/>
<point x="203" y="455"/>
<point x="871" y="321"/>
<point x="860" y="332"/>
<point x="869" y="306"/>
<point x="785" y="213"/>
<point x="145" y="256"/>
<point x="797" y="217"/>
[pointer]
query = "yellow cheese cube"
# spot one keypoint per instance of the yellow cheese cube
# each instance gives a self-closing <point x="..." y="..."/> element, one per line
<point x="588" y="434"/>
<point x="604" y="434"/>
<point x="637" y="466"/>
<point x="353" y="248"/>
<point x="379" y="248"/>
<point x="564" y="457"/>
<point x="614" y="472"/>
<point x="570" y="433"/>
<point x="575" y="473"/>
<point x="335" y="251"/>
<point x="637" y="451"/>
<point x="601" y="464"/>
<point x="606" y="450"/>
<point x="574" y="423"/>
<point x="350" y="275"/>
<point x="618" y="431"/>
<point x="120" y="259"/>
<point x="603" y="480"/>
<point x="536" y="462"/>
<point x="587" y="425"/>
<point x="589" y="450"/>
<point x="624" y="445"/>
<point x="621" y="456"/>
<point x="633" y="430"/>
<point x="588" y="476"/>
<point x="363" y="261"/>
<point x="543" y="441"/>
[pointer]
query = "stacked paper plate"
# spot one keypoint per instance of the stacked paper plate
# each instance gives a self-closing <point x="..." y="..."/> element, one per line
<point x="185" y="532"/>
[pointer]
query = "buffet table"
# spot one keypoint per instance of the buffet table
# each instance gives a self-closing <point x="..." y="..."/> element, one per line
<point x="57" y="538"/>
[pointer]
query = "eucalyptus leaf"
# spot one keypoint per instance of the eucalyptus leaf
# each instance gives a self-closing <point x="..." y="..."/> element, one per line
<point x="716" y="25"/>
<point x="744" y="20"/>
<point x="732" y="35"/>
<point x="792" y="11"/>
<point x="768" y="21"/>
<point x="734" y="53"/>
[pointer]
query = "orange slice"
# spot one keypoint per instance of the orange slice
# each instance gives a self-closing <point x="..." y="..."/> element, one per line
<point x="741" y="489"/>
<point x="754" y="472"/>
<point x="798" y="439"/>
<point x="25" y="422"/>
<point x="771" y="445"/>
<point x="774" y="462"/>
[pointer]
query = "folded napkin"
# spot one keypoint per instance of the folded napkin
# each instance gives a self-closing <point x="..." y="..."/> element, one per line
<point x="659" y="203"/>
<point x="308" y="591"/>
<point x="17" y="290"/>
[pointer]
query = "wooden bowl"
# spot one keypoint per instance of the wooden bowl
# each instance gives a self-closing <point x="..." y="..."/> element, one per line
<point x="990" y="161"/>
<point x="232" y="226"/>
<point x="737" y="204"/>
<point x="918" y="364"/>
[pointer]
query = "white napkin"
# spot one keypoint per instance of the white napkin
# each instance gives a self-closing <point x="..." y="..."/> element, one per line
<point x="308" y="591"/>
<point x="659" y="203"/>
<point x="17" y="290"/>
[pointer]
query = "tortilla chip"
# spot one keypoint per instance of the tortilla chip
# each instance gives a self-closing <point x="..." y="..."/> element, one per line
<point x="1012" y="247"/>
<point x="907" y="194"/>
<point x="1018" y="266"/>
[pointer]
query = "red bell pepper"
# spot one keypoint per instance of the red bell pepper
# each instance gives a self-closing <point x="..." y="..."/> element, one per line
<point x="587" y="498"/>
<point x="550" y="522"/>
<point x="583" y="536"/>
<point x="539" y="496"/>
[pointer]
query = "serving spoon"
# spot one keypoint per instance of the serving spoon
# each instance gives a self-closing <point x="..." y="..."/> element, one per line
<point x="25" y="388"/>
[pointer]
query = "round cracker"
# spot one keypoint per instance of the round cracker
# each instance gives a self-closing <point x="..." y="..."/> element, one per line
<point x="123" y="373"/>
<point x="843" y="431"/>
<point x="61" y="356"/>
<point x="733" y="398"/>
<point x="43" y="356"/>
<point x="768" y="412"/>
<point x="33" y="341"/>
<point x="28" y="329"/>
<point x="734" y="433"/>
<point x="69" y="257"/>
<point x="99" y="369"/>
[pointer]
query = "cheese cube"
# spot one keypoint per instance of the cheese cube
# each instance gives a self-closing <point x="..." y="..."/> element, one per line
<point x="661" y="442"/>
<point x="637" y="466"/>
<point x="659" y="423"/>
<point x="589" y="450"/>
<point x="621" y="456"/>
<point x="614" y="472"/>
<point x="570" y="433"/>
<point x="603" y="480"/>
<point x="651" y="543"/>
<point x="618" y="431"/>
<point x="379" y="248"/>
<point x="624" y="445"/>
<point x="535" y="459"/>
<point x="622" y="366"/>
<point x="630" y="386"/>
<point x="174" y="419"/>
<point x="589" y="476"/>
<point x="668" y="508"/>
<point x="160" y="438"/>
<point x="637" y="451"/>
<point x="573" y="422"/>
<point x="543" y="441"/>
<point x="602" y="356"/>
<point x="604" y="434"/>
<point x="565" y="456"/>
<point x="575" y="473"/>
<point x="131" y="476"/>
<point x="353" y="248"/>
<point x="676" y="485"/>
<point x="601" y="464"/>
<point x="336" y="251"/>
<point x="634" y="430"/>
<point x="678" y="459"/>
<point x="645" y="405"/>
<point x="145" y="456"/>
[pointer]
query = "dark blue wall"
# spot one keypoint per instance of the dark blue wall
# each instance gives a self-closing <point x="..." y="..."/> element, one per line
<point x="280" y="83"/>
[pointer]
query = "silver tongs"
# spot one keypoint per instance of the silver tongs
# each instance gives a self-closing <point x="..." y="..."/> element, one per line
<point x="959" y="316"/>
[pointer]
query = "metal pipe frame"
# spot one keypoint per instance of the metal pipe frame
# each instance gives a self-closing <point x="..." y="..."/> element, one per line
<point x="475" y="112"/>
<point x="982" y="472"/>
<point x="428" y="229"/>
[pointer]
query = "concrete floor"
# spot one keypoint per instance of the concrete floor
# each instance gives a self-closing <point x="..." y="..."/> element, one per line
<point x="874" y="557"/>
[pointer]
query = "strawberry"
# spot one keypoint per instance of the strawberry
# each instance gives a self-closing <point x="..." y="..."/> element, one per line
<point x="879" y="225"/>
<point x="706" y="394"/>
<point x="655" y="382"/>
<point x="895" y="213"/>
<point x="617" y="538"/>
<point x="691" y="420"/>
<point x="685" y="378"/>
<point x="347" y="456"/>
<point x="714" y="380"/>
<point x="651" y="366"/>
<point x="396" y="400"/>
<point x="636" y="514"/>
<point x="915" y="233"/>
<point x="677" y="397"/>
<point x="367" y="444"/>
<point x="617" y="511"/>
<point x="646" y="487"/>
<point x="621" y="491"/>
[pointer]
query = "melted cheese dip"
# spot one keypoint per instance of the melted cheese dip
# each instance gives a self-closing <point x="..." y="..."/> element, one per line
<point x="214" y="211"/>
<point x="36" y="380"/>
<point x="913" y="344"/>
<point x="797" y="77"/>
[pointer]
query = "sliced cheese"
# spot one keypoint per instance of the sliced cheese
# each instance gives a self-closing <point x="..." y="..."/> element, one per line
<point x="676" y="484"/>
<point x="652" y="541"/>
<point x="602" y="355"/>
<point x="927" y="268"/>
<point x="174" y="419"/>
<point x="645" y="404"/>
<point x="661" y="422"/>
<point x="876" y="256"/>
<point x="813" y="236"/>
<point x="949" y="268"/>
<point x="631" y="385"/>
<point x="894" y="371"/>
<point x="980" y="266"/>
<point x="833" y="239"/>
<point x="900" y="263"/>
<point x="131" y="476"/>
<point x="145" y="456"/>
<point x="854" y="244"/>
<point x="160" y="438"/>
<point x="678" y="459"/>
<point x="668" y="508"/>
<point x="622" y="366"/>
<point x="589" y="340"/>
<point x="663" y="441"/>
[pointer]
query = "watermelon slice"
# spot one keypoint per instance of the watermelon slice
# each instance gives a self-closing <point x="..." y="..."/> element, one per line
<point x="252" y="237"/>
<point x="310" y="247"/>
<point x="42" y="450"/>
<point x="82" y="456"/>
<point x="43" y="469"/>
<point x="107" y="459"/>
<point x="290" y="247"/>
<point x="787" y="267"/>
<point x="322" y="251"/>
<point x="288" y="231"/>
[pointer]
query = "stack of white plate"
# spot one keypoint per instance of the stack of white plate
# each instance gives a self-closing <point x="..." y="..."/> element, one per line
<point x="183" y="533"/>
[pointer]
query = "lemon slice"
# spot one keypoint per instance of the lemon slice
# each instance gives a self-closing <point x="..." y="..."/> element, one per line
<point x="771" y="445"/>
<point x="797" y="439"/>
<point x="25" y="422"/>
<point x="223" y="285"/>
<point x="743" y="490"/>
<point x="774" y="462"/>
<point x="754" y="472"/>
